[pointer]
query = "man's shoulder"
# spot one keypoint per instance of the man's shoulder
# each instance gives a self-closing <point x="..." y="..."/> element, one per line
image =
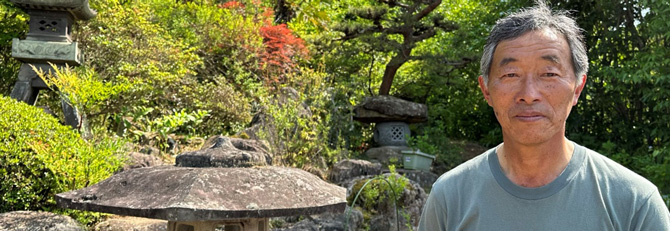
<point x="617" y="176"/>
<point x="626" y="194"/>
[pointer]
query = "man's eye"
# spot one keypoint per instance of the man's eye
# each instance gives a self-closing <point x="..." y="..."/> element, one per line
<point x="510" y="75"/>
<point x="550" y="74"/>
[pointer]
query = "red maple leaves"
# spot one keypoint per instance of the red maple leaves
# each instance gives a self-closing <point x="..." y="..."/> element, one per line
<point x="282" y="49"/>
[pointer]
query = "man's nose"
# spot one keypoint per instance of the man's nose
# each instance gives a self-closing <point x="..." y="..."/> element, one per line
<point x="529" y="90"/>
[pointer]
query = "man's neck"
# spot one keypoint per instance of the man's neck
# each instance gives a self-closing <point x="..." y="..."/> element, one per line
<point x="534" y="165"/>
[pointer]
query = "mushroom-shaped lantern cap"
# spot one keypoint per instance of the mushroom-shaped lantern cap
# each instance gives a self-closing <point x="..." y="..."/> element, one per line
<point x="206" y="194"/>
<point x="79" y="9"/>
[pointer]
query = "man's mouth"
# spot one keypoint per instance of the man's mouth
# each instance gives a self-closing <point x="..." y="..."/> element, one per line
<point x="529" y="116"/>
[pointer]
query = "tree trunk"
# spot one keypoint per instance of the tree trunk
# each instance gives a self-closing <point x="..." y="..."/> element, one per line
<point x="392" y="67"/>
<point x="389" y="73"/>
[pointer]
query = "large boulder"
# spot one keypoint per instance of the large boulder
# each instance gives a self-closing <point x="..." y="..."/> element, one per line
<point x="385" y="108"/>
<point x="424" y="178"/>
<point x="221" y="151"/>
<point x="347" y="169"/>
<point x="37" y="220"/>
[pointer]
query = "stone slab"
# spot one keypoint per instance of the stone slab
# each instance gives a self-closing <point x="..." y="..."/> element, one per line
<point x="385" y="108"/>
<point x="348" y="169"/>
<point x="203" y="194"/>
<point x="31" y="51"/>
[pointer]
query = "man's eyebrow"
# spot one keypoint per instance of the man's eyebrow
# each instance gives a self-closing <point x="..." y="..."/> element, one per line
<point x="505" y="61"/>
<point x="552" y="58"/>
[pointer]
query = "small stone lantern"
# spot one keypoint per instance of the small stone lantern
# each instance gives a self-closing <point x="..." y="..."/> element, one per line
<point x="392" y="117"/>
<point x="48" y="41"/>
<point x="221" y="187"/>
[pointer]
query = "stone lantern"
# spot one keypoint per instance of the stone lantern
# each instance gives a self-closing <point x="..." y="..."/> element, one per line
<point x="392" y="117"/>
<point x="48" y="41"/>
<point x="225" y="186"/>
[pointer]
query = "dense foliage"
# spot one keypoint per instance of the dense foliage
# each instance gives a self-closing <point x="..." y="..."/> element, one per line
<point x="12" y="25"/>
<point x="625" y="107"/>
<point x="393" y="27"/>
<point x="157" y="70"/>
<point x="39" y="158"/>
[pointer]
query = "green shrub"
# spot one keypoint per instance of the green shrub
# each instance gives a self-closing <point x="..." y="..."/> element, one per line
<point x="40" y="157"/>
<point x="302" y="123"/>
<point x="379" y="194"/>
<point x="13" y="25"/>
<point x="176" y="57"/>
<point x="379" y="190"/>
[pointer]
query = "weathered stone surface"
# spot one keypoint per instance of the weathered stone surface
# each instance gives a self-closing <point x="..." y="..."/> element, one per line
<point x="391" y="133"/>
<point x="387" y="154"/>
<point x="385" y="108"/>
<point x="221" y="151"/>
<point x="54" y="26"/>
<point x="201" y="194"/>
<point x="79" y="9"/>
<point x="351" y="219"/>
<point x="350" y="168"/>
<point x="413" y="200"/>
<point x="37" y="221"/>
<point x="243" y="144"/>
<point x="141" y="160"/>
<point x="131" y="223"/>
<point x="149" y="150"/>
<point x="425" y="179"/>
<point x="261" y="123"/>
<point x="22" y="91"/>
<point x="41" y="51"/>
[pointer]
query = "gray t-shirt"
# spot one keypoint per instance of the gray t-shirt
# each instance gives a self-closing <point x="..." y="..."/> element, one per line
<point x="592" y="193"/>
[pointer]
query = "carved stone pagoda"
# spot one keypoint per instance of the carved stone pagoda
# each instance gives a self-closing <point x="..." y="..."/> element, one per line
<point x="48" y="41"/>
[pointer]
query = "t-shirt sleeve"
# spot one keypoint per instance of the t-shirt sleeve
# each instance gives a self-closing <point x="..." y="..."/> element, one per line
<point x="653" y="215"/>
<point x="434" y="215"/>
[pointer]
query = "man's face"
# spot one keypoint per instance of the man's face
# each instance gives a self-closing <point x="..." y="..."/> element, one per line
<point x="532" y="87"/>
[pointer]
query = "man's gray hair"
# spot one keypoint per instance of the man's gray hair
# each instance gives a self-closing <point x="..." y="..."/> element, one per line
<point x="532" y="19"/>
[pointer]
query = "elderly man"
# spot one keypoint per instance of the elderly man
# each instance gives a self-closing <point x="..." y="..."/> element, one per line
<point x="533" y="71"/>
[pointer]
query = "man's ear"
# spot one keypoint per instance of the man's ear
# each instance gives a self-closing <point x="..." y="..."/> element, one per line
<point x="485" y="90"/>
<point x="578" y="90"/>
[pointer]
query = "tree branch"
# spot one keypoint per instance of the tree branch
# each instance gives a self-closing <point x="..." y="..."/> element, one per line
<point x="423" y="13"/>
<point x="394" y="3"/>
<point x="365" y="31"/>
<point x="429" y="33"/>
